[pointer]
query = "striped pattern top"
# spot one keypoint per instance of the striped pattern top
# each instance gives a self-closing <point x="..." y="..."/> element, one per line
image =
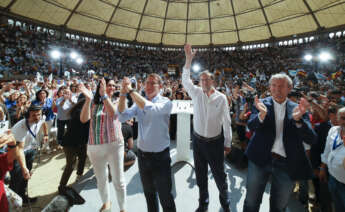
<point x="104" y="128"/>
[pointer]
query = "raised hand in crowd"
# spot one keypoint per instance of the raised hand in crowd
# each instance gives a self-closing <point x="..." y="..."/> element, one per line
<point x="87" y="93"/>
<point x="102" y="87"/>
<point x="189" y="53"/>
<point x="261" y="108"/>
<point x="125" y="85"/>
<point x="300" y="110"/>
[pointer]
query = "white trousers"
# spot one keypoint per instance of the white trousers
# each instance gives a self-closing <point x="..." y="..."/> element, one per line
<point x="113" y="154"/>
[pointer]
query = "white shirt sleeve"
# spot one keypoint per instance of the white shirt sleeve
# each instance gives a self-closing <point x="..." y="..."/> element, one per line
<point x="19" y="131"/>
<point x="187" y="83"/>
<point x="227" y="125"/>
<point x="327" y="150"/>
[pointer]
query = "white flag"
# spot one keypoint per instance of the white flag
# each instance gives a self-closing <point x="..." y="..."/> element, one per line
<point x="50" y="78"/>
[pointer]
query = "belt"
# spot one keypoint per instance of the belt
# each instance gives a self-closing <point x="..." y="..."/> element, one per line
<point x="277" y="156"/>
<point x="207" y="139"/>
<point x="151" y="154"/>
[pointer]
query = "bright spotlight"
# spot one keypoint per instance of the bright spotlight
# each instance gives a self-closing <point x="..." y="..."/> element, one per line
<point x="73" y="55"/>
<point x="308" y="57"/>
<point x="79" y="60"/>
<point x="325" y="56"/>
<point x="55" y="54"/>
<point x="196" y="67"/>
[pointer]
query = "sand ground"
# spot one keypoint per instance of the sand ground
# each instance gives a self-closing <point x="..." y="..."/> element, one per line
<point x="47" y="171"/>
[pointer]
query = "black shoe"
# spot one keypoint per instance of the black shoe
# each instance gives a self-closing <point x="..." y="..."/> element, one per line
<point x="31" y="200"/>
<point x="203" y="208"/>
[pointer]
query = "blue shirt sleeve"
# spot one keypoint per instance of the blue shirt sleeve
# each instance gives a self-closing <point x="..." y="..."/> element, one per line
<point x="128" y="113"/>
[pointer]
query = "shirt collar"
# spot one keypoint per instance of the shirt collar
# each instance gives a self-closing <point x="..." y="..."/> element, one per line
<point x="279" y="105"/>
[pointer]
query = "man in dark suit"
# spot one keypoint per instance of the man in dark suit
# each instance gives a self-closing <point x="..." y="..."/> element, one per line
<point x="276" y="148"/>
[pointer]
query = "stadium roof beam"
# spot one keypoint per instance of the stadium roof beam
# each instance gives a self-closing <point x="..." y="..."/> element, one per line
<point x="235" y="19"/>
<point x="111" y="18"/>
<point x="72" y="12"/>
<point x="185" y="38"/>
<point x="266" y="19"/>
<point x="10" y="5"/>
<point x="312" y="14"/>
<point x="165" y="18"/>
<point x="141" y="18"/>
<point x="209" y="21"/>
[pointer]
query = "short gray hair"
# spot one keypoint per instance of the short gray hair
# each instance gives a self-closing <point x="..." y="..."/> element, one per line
<point x="206" y="72"/>
<point x="281" y="76"/>
<point x="341" y="110"/>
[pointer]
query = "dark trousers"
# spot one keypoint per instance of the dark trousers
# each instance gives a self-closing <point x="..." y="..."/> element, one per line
<point x="18" y="184"/>
<point x="337" y="190"/>
<point x="210" y="153"/>
<point x="155" y="174"/>
<point x="72" y="153"/>
<point x="323" y="197"/>
<point x="281" y="186"/>
<point x="61" y="124"/>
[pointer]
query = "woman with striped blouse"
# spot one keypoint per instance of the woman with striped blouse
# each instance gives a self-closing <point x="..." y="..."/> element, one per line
<point x="105" y="145"/>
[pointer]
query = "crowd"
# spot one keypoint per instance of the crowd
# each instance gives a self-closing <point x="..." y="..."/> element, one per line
<point x="301" y="118"/>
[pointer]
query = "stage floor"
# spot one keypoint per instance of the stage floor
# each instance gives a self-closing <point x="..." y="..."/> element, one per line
<point x="184" y="188"/>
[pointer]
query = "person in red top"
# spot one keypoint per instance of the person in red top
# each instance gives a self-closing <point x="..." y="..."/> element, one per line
<point x="6" y="164"/>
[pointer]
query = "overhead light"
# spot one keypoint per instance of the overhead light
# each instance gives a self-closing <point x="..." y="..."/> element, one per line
<point x="196" y="67"/>
<point x="73" y="55"/>
<point x="55" y="54"/>
<point x="308" y="57"/>
<point x="325" y="56"/>
<point x="79" y="60"/>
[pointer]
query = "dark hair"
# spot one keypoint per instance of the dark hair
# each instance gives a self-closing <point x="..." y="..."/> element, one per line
<point x="97" y="98"/>
<point x="32" y="108"/>
<point x="38" y="92"/>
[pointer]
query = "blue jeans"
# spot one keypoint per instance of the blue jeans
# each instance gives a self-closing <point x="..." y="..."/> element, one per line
<point x="18" y="184"/>
<point x="155" y="174"/>
<point x="281" y="186"/>
<point x="210" y="153"/>
<point x="337" y="190"/>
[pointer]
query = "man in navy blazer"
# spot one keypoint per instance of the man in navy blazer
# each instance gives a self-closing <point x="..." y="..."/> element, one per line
<point x="276" y="149"/>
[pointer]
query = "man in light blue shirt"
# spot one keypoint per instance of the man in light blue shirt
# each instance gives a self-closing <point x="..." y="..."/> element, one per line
<point x="152" y="113"/>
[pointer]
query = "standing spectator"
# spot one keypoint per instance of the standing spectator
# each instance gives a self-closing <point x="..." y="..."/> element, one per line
<point x="333" y="158"/>
<point x="105" y="144"/>
<point x="63" y="104"/>
<point x="210" y="145"/>
<point x="74" y="144"/>
<point x="276" y="149"/>
<point x="154" y="160"/>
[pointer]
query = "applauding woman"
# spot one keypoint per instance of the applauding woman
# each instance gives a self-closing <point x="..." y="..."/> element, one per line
<point x="105" y="144"/>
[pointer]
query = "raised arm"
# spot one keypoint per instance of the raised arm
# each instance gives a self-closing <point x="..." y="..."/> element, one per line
<point x="85" y="111"/>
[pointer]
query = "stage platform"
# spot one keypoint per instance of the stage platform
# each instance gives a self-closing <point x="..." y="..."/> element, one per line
<point x="184" y="188"/>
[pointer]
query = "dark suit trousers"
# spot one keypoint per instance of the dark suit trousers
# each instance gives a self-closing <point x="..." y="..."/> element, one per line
<point x="210" y="153"/>
<point x="155" y="174"/>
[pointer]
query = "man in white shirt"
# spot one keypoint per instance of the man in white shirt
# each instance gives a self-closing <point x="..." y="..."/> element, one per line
<point x="210" y="144"/>
<point x="25" y="132"/>
<point x="333" y="159"/>
<point x="276" y="148"/>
